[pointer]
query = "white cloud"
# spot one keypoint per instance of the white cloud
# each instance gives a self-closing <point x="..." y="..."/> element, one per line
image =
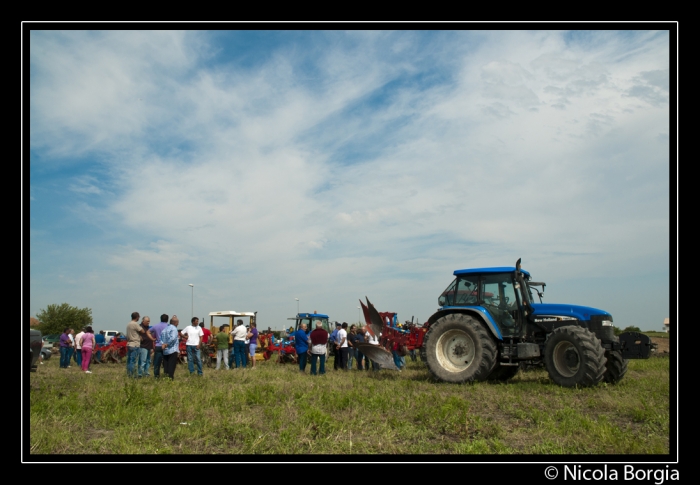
<point x="340" y="167"/>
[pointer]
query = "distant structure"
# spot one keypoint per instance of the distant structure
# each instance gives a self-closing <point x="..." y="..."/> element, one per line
<point x="33" y="322"/>
<point x="667" y="324"/>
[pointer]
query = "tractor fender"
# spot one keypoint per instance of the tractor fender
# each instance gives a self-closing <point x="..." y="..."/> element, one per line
<point x="478" y="312"/>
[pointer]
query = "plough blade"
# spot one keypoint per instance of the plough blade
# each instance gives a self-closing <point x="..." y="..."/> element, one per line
<point x="376" y="323"/>
<point x="378" y="355"/>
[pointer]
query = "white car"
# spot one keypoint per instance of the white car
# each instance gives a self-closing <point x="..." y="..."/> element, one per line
<point x="109" y="334"/>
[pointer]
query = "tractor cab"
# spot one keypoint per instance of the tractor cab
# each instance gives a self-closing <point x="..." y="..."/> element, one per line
<point x="500" y="295"/>
<point x="310" y="320"/>
<point x="230" y="319"/>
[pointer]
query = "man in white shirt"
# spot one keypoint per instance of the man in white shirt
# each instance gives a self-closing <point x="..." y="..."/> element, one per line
<point x="374" y="340"/>
<point x="342" y="346"/>
<point x="72" y="344"/>
<point x="239" y="337"/>
<point x="78" y="355"/>
<point x="194" y="335"/>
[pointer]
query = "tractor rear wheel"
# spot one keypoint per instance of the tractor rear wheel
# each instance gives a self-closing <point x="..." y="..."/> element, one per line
<point x="458" y="348"/>
<point x="574" y="357"/>
<point x="503" y="372"/>
<point x="615" y="367"/>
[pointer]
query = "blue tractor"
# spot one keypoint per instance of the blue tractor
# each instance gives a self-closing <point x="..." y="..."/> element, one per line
<point x="488" y="324"/>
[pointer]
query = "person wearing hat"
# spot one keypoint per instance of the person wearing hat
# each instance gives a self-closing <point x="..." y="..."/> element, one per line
<point x="334" y="343"/>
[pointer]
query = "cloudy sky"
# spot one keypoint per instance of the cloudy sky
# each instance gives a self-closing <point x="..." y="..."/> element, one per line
<point x="264" y="166"/>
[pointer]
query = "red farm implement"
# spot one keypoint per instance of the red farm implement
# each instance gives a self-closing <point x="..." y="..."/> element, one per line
<point x="392" y="335"/>
<point x="283" y="347"/>
<point x="115" y="351"/>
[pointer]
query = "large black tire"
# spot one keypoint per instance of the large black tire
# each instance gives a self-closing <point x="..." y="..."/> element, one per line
<point x="615" y="367"/>
<point x="574" y="357"/>
<point x="422" y="353"/>
<point x="503" y="372"/>
<point x="459" y="348"/>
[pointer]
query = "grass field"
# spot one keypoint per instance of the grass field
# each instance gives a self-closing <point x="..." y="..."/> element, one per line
<point x="274" y="409"/>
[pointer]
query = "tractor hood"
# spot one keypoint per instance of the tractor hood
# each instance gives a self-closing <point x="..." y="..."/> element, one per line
<point x="563" y="310"/>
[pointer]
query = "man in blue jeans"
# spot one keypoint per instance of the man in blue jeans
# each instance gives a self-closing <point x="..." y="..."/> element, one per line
<point x="319" y="341"/>
<point x="302" y="346"/>
<point x="239" y="335"/>
<point x="133" y="337"/>
<point x="65" y="348"/>
<point x="194" y="335"/>
<point x="99" y="342"/>
<point x="156" y="330"/>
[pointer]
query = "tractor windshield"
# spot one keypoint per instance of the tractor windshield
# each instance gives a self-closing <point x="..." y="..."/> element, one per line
<point x="462" y="291"/>
<point x="311" y="324"/>
<point x="498" y="291"/>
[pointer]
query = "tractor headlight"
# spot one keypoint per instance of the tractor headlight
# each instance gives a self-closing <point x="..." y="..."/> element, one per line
<point x="607" y="323"/>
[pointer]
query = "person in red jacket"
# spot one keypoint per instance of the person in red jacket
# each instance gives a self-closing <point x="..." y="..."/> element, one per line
<point x="207" y="333"/>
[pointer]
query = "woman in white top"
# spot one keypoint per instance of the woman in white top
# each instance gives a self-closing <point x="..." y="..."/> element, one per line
<point x="374" y="340"/>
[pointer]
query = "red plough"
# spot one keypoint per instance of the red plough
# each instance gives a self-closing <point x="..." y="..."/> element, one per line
<point x="392" y="335"/>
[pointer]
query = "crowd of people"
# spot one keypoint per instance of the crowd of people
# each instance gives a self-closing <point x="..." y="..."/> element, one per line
<point x="78" y="347"/>
<point x="159" y="346"/>
<point x="162" y="343"/>
<point x="343" y="348"/>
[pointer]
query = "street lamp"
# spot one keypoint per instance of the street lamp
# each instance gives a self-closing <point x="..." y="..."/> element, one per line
<point x="359" y="322"/>
<point x="192" y="285"/>
<point x="297" y="299"/>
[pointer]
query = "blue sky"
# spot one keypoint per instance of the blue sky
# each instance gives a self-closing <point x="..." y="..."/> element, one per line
<point x="332" y="165"/>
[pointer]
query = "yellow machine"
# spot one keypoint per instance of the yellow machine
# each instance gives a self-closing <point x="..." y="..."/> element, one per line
<point x="232" y="317"/>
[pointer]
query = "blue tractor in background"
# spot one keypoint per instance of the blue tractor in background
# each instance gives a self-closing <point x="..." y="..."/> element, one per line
<point x="488" y="324"/>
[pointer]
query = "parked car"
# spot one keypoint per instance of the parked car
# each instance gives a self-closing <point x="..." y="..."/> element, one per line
<point x="109" y="334"/>
<point x="53" y="338"/>
<point x="35" y="344"/>
<point x="46" y="351"/>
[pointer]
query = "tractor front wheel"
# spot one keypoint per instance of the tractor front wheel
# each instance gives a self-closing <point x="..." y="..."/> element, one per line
<point x="574" y="357"/>
<point x="458" y="348"/>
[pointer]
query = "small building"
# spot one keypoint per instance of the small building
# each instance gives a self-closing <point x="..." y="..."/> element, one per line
<point x="667" y="324"/>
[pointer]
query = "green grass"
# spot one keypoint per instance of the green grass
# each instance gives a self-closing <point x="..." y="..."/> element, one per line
<point x="654" y="333"/>
<point x="276" y="410"/>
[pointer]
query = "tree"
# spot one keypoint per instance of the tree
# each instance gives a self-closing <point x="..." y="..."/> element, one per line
<point x="57" y="317"/>
<point x="631" y="328"/>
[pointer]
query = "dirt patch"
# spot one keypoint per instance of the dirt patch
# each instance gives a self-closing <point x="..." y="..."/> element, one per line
<point x="662" y="347"/>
